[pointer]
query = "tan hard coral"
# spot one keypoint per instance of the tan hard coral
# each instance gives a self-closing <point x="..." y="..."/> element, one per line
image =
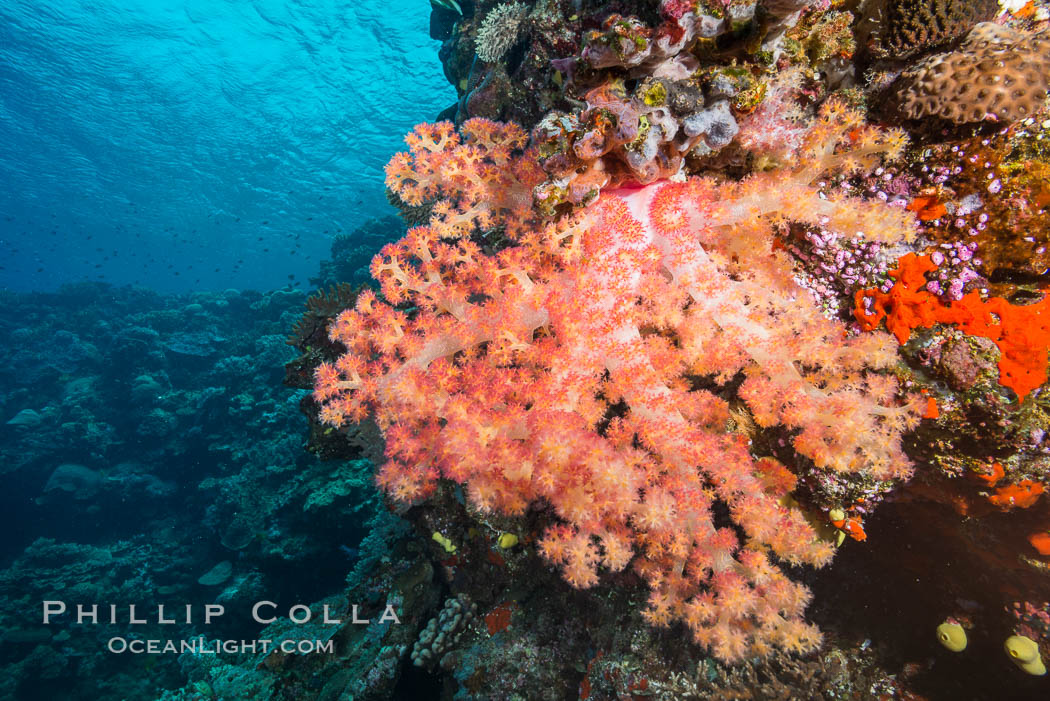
<point x="996" y="74"/>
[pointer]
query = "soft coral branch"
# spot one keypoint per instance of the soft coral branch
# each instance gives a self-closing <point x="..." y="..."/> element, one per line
<point x="557" y="370"/>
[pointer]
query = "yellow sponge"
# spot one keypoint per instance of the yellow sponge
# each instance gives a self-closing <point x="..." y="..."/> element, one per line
<point x="952" y="636"/>
<point x="444" y="542"/>
<point x="1025" y="654"/>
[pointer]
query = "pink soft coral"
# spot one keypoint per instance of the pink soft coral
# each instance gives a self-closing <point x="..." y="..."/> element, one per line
<point x="563" y="370"/>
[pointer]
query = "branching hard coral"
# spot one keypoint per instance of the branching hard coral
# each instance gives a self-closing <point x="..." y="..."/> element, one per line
<point x="562" y="370"/>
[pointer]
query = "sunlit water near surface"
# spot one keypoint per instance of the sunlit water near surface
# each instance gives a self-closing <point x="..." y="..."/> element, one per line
<point x="202" y="144"/>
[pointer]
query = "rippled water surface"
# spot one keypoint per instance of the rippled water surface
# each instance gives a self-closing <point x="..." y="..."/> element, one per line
<point x="200" y="144"/>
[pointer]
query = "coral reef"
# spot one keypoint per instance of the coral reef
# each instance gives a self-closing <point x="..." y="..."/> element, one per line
<point x="636" y="91"/>
<point x="639" y="138"/>
<point x="148" y="440"/>
<point x="626" y="359"/>
<point x="477" y="289"/>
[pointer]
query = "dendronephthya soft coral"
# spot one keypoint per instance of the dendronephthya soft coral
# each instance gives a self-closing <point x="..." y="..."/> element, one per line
<point x="590" y="365"/>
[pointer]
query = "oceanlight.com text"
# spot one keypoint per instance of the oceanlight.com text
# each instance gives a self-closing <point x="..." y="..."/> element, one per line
<point x="203" y="646"/>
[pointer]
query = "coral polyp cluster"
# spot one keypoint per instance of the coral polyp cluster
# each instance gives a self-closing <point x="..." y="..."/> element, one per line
<point x="566" y="368"/>
<point x="913" y="26"/>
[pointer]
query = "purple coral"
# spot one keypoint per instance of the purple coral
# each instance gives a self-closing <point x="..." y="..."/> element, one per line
<point x="834" y="266"/>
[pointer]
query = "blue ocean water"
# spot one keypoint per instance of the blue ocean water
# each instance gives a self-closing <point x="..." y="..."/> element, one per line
<point x="200" y="144"/>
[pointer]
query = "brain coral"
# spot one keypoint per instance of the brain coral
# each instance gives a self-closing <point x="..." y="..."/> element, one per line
<point x="915" y="25"/>
<point x="996" y="74"/>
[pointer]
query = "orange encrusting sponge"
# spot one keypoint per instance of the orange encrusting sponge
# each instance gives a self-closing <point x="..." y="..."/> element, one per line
<point x="1022" y="333"/>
